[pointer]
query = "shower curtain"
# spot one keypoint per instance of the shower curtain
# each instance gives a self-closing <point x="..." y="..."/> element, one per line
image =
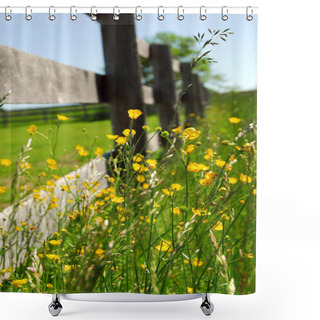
<point x="128" y="153"/>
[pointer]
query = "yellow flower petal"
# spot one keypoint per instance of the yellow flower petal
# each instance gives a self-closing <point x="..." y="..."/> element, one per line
<point x="234" y="120"/>
<point x="112" y="137"/>
<point x="190" y="133"/>
<point x="121" y="140"/>
<point x="62" y="118"/>
<point x="134" y="113"/>
<point x="127" y="132"/>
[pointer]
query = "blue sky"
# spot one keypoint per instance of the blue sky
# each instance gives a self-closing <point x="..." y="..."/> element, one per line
<point x="78" y="43"/>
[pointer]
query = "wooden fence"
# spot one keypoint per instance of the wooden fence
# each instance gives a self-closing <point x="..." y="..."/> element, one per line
<point x="34" y="79"/>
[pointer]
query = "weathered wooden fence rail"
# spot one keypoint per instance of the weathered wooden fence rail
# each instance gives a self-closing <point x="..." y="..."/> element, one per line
<point x="33" y="79"/>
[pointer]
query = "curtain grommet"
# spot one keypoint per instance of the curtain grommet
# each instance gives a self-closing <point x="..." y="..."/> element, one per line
<point x="8" y="17"/>
<point x="203" y="13"/>
<point x="224" y="13"/>
<point x="28" y="15"/>
<point x="160" y="16"/>
<point x="73" y="15"/>
<point x="249" y="17"/>
<point x="52" y="17"/>
<point x="116" y="15"/>
<point x="180" y="13"/>
<point x="93" y="16"/>
<point x="138" y="16"/>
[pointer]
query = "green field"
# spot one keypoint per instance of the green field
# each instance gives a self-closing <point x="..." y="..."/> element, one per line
<point x="70" y="135"/>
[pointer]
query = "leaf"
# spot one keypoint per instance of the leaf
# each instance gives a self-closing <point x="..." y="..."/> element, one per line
<point x="209" y="30"/>
<point x="226" y="30"/>
<point x="216" y="32"/>
<point x="196" y="38"/>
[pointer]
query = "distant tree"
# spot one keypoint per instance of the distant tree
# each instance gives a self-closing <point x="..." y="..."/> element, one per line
<point x="184" y="49"/>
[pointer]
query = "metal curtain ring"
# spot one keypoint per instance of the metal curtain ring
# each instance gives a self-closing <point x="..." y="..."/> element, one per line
<point x="28" y="15"/>
<point x="249" y="16"/>
<point x="224" y="13"/>
<point x="116" y="15"/>
<point x="73" y="16"/>
<point x="180" y="13"/>
<point x="52" y="17"/>
<point x="203" y="13"/>
<point x="160" y="16"/>
<point x="7" y="16"/>
<point x="138" y="16"/>
<point x="93" y="15"/>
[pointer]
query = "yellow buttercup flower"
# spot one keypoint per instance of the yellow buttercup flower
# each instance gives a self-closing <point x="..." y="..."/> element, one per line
<point x="112" y="136"/>
<point x="81" y="151"/>
<point x="53" y="257"/>
<point x="152" y="163"/>
<point x="145" y="186"/>
<point x="116" y="199"/>
<point x="164" y="246"/>
<point x="190" y="148"/>
<point x="70" y="267"/>
<point x="19" y="283"/>
<point x="140" y="178"/>
<point x="244" y="178"/>
<point x="5" y="162"/>
<point x="55" y="242"/>
<point x="137" y="157"/>
<point x="250" y="255"/>
<point x="2" y="189"/>
<point x="208" y="178"/>
<point x="189" y="290"/>
<point x="209" y="154"/>
<point x="127" y="132"/>
<point x="234" y="120"/>
<point x="136" y="166"/>
<point x="32" y="129"/>
<point x="190" y="133"/>
<point x="62" y="118"/>
<point x="167" y="192"/>
<point x="176" y="187"/>
<point x="220" y="163"/>
<point x="197" y="263"/>
<point x="147" y="128"/>
<point x="233" y="180"/>
<point x="25" y="165"/>
<point x="177" y="130"/>
<point x="196" y="167"/>
<point x="49" y="286"/>
<point x="52" y="164"/>
<point x="98" y="152"/>
<point x="121" y="140"/>
<point x="134" y="113"/>
<point x="176" y="211"/>
<point x="218" y="226"/>
<point x="100" y="252"/>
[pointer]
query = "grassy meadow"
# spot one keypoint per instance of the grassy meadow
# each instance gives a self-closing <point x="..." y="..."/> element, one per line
<point x="181" y="220"/>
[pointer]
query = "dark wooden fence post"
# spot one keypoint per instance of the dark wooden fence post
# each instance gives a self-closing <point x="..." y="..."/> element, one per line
<point x="199" y="94"/>
<point x="123" y="72"/>
<point x="191" y="97"/>
<point x="164" y="88"/>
